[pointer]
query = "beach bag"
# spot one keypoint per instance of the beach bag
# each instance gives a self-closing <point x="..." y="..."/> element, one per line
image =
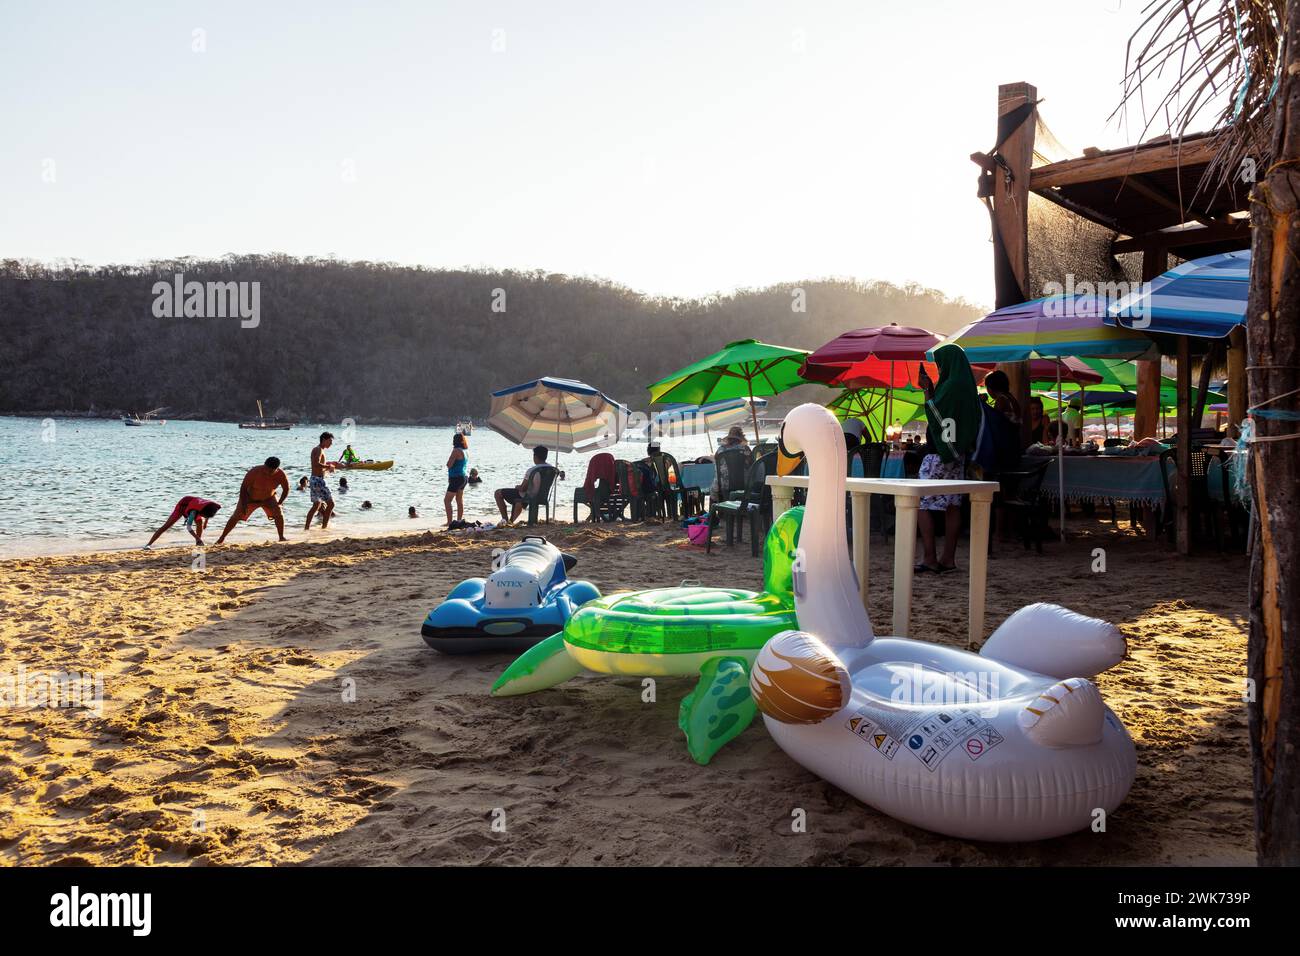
<point x="997" y="446"/>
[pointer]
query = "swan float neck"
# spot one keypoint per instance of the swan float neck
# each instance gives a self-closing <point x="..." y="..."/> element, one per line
<point x="829" y="605"/>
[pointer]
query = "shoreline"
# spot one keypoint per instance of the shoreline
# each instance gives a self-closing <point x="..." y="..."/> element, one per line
<point x="126" y="546"/>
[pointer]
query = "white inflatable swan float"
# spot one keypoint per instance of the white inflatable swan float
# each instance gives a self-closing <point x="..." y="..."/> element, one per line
<point x="1013" y="743"/>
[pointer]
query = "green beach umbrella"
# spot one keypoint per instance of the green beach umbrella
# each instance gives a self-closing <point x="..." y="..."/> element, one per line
<point x="868" y="404"/>
<point x="744" y="369"/>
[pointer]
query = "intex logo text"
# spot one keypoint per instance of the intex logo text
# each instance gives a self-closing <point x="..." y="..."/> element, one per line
<point x="103" y="909"/>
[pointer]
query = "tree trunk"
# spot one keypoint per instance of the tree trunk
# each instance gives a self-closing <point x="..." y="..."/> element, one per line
<point x="1273" y="335"/>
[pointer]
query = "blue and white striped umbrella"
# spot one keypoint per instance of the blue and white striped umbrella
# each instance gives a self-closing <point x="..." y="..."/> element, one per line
<point x="677" y="420"/>
<point x="1204" y="297"/>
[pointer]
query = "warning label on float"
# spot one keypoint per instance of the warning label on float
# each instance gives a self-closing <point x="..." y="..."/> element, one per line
<point x="873" y="735"/>
<point x="933" y="736"/>
<point x="930" y="737"/>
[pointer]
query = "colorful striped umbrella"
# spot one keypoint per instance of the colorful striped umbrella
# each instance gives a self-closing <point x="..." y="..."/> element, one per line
<point x="1203" y="297"/>
<point x="558" y="413"/>
<point x="1053" y="327"/>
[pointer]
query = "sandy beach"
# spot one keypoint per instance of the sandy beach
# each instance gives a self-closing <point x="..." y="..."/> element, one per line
<point x="279" y="707"/>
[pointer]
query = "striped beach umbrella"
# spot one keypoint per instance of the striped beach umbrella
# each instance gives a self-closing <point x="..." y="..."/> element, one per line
<point x="1202" y="297"/>
<point x="684" y="419"/>
<point x="559" y="413"/>
<point x="1053" y="327"/>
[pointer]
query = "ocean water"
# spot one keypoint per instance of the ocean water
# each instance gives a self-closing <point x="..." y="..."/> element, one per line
<point x="77" y="484"/>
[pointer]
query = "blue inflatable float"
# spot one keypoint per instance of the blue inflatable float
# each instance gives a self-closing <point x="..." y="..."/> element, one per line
<point x="527" y="598"/>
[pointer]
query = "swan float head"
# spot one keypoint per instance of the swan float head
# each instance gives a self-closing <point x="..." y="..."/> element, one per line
<point x="827" y="601"/>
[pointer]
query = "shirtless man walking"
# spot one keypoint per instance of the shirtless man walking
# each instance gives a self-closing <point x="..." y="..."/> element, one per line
<point x="321" y="499"/>
<point x="258" y="491"/>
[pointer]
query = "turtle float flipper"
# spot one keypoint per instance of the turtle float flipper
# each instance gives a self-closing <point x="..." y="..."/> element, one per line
<point x="719" y="708"/>
<point x="541" y="666"/>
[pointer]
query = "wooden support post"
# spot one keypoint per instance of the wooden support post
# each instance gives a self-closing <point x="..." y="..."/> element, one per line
<point x="1011" y="221"/>
<point x="1273" y="336"/>
<point x="1146" y="416"/>
<point x="1237" y="375"/>
<point x="1182" y="514"/>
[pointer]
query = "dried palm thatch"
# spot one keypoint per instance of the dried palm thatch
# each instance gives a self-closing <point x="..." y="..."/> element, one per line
<point x="1210" y="64"/>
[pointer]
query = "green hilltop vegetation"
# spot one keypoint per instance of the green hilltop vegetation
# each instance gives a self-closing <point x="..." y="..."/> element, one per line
<point x="382" y="342"/>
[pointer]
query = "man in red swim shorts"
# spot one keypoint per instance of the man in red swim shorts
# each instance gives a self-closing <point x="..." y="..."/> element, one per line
<point x="258" y="491"/>
<point x="195" y="511"/>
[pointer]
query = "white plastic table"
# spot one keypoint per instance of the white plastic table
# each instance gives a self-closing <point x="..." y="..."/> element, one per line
<point x="907" y="493"/>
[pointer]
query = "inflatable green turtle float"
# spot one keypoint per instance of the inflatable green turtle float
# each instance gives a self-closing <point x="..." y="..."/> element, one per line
<point x="714" y="633"/>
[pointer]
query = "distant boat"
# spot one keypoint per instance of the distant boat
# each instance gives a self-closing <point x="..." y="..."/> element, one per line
<point x="265" y="424"/>
<point x="146" y="419"/>
<point x="465" y="426"/>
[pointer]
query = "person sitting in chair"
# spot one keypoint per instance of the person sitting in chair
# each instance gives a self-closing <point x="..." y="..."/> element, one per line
<point x="517" y="497"/>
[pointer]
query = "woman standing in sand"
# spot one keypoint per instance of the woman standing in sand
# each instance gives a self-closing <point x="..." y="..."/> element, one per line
<point x="953" y="415"/>
<point x="457" y="466"/>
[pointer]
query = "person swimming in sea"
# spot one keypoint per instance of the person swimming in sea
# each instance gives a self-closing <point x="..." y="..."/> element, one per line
<point x="474" y="477"/>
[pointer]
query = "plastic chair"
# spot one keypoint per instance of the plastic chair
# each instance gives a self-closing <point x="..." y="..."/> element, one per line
<point x="1021" y="496"/>
<point x="598" y="501"/>
<point x="755" y="504"/>
<point x="539" y="496"/>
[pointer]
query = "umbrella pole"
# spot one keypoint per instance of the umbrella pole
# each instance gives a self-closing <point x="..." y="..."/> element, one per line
<point x="1060" y="448"/>
<point x="753" y="411"/>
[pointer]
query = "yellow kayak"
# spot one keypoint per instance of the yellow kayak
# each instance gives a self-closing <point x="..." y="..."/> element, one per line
<point x="370" y="465"/>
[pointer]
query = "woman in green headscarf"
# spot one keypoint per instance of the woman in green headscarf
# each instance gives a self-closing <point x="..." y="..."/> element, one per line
<point x="952" y="410"/>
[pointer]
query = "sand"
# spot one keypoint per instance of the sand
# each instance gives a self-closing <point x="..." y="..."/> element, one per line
<point x="279" y="707"/>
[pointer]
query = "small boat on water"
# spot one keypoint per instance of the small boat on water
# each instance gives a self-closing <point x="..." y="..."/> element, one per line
<point x="367" y="465"/>
<point x="265" y="424"/>
<point x="147" y="418"/>
<point x="465" y="426"/>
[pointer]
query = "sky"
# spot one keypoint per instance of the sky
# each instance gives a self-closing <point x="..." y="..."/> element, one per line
<point x="678" y="148"/>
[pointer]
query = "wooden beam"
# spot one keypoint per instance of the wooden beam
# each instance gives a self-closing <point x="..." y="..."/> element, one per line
<point x="1237" y="375"/>
<point x="1129" y="162"/>
<point x="1236" y="229"/>
<point x="1183" y="487"/>
<point x="1159" y="197"/>
<point x="1146" y="414"/>
<point x="1011" y="194"/>
<point x="1084" y="212"/>
<point x="1011" y="220"/>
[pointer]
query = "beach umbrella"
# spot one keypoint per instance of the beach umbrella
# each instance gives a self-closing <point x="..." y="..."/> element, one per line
<point x="870" y="405"/>
<point x="1068" y="369"/>
<point x="1204" y="297"/>
<point x="893" y="342"/>
<point x="887" y="356"/>
<point x="680" y="419"/>
<point x="744" y="369"/>
<point x="1057" y="326"/>
<point x="557" y="412"/>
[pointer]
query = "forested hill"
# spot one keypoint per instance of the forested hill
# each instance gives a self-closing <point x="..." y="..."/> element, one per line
<point x="383" y="342"/>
